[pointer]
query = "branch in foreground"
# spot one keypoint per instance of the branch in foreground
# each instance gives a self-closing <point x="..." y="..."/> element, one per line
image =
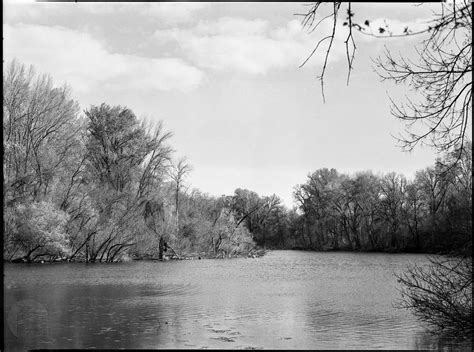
<point x="440" y="294"/>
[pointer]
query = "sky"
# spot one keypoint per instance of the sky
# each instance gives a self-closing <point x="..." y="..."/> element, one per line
<point x="225" y="78"/>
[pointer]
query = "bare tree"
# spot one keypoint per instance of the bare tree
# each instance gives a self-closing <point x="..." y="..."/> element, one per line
<point x="177" y="173"/>
<point x="442" y="77"/>
<point x="40" y="128"/>
<point x="157" y="156"/>
<point x="441" y="113"/>
<point x="440" y="294"/>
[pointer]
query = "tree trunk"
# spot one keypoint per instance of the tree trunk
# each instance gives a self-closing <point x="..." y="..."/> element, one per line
<point x="160" y="248"/>
<point x="28" y="255"/>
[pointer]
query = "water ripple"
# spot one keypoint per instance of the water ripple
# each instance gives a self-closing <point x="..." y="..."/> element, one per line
<point x="286" y="299"/>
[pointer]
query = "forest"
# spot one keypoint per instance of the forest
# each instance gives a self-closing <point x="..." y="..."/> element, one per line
<point x="102" y="185"/>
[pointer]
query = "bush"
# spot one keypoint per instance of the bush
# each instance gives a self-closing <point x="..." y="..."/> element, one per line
<point x="38" y="229"/>
<point x="440" y="294"/>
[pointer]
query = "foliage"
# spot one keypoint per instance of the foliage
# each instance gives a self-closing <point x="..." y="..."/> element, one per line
<point x="228" y="237"/>
<point x="98" y="186"/>
<point x="125" y="161"/>
<point x="102" y="185"/>
<point x="209" y="227"/>
<point x="39" y="133"/>
<point x="38" y="229"/>
<point x="264" y="217"/>
<point x="431" y="213"/>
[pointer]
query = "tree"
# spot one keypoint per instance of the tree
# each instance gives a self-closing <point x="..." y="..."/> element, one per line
<point x="412" y="212"/>
<point x="42" y="149"/>
<point x="368" y="187"/>
<point x="40" y="128"/>
<point x="116" y="145"/>
<point x="386" y="212"/>
<point x="392" y="193"/>
<point x="319" y="201"/>
<point x="39" y="230"/>
<point x="439" y="116"/>
<point x="443" y="79"/>
<point x="102" y="185"/>
<point x="257" y="213"/>
<point x="126" y="160"/>
<point x="440" y="294"/>
<point x="229" y="237"/>
<point x="177" y="173"/>
<point x="245" y="204"/>
<point x="441" y="76"/>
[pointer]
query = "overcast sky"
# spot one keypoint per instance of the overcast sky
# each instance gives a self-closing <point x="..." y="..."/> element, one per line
<point x="225" y="78"/>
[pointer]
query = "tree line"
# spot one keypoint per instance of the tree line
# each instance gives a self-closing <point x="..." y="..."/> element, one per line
<point x="98" y="186"/>
<point x="431" y="213"/>
<point x="366" y="212"/>
<point x="104" y="185"/>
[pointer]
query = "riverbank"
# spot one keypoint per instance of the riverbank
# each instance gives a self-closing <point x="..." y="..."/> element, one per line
<point x="254" y="253"/>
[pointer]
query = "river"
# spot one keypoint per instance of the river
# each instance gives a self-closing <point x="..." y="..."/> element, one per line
<point x="283" y="300"/>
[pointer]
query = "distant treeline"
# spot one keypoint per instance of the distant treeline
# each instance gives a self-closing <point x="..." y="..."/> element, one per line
<point x="103" y="186"/>
<point x="431" y="213"/>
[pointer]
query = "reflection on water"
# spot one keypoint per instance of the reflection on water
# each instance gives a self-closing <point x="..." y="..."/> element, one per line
<point x="442" y="343"/>
<point x="284" y="300"/>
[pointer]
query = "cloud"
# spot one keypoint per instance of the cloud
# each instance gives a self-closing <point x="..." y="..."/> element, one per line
<point x="21" y="10"/>
<point x="232" y="27"/>
<point x="174" y="12"/>
<point x="85" y="64"/>
<point x="250" y="46"/>
<point x="162" y="13"/>
<point x="168" y="13"/>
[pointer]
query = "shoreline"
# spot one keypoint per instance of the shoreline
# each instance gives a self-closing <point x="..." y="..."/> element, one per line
<point x="251" y="255"/>
<point x="257" y="253"/>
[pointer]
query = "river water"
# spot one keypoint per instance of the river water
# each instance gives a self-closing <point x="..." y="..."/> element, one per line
<point x="284" y="300"/>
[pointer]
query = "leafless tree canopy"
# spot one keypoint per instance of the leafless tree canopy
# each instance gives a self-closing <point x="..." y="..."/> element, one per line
<point x="441" y="77"/>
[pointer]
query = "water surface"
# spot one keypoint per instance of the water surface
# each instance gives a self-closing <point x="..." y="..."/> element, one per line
<point x="284" y="300"/>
